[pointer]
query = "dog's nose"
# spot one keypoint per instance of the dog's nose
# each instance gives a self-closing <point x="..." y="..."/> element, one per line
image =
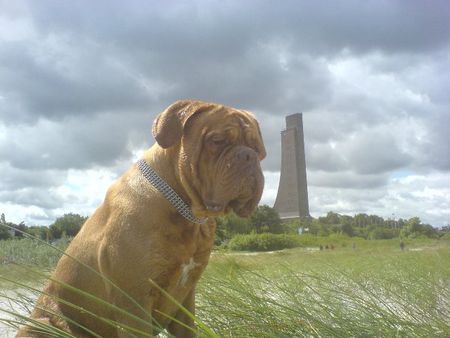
<point x="246" y="156"/>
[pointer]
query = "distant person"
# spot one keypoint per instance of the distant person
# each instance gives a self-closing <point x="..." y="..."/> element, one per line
<point x="402" y="245"/>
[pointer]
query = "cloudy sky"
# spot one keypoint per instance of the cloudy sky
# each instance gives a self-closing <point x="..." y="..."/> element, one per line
<point x="82" y="81"/>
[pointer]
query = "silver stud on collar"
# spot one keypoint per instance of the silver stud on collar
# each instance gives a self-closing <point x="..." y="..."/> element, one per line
<point x="167" y="191"/>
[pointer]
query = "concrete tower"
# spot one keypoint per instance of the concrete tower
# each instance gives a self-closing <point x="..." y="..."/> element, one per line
<point x="292" y="197"/>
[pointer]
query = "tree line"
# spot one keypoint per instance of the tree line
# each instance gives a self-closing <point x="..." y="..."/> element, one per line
<point x="267" y="220"/>
<point x="67" y="225"/>
<point x="264" y="220"/>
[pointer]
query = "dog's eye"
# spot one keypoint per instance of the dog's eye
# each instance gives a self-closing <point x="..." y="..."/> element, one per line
<point x="217" y="142"/>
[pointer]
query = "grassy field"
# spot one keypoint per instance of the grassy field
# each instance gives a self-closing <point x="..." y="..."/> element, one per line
<point x="373" y="290"/>
<point x="369" y="289"/>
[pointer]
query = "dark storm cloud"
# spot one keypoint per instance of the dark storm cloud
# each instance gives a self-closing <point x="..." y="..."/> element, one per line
<point x="374" y="152"/>
<point x="15" y="179"/>
<point x="81" y="81"/>
<point x="219" y="29"/>
<point x="37" y="81"/>
<point x="33" y="197"/>
<point x="34" y="187"/>
<point x="346" y="180"/>
<point x="434" y="150"/>
<point x="78" y="142"/>
<point x="101" y="58"/>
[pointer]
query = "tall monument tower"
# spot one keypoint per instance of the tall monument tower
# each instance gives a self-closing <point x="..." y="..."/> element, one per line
<point x="292" y="197"/>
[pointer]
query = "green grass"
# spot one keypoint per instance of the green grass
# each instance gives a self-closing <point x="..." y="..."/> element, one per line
<point x="375" y="290"/>
<point x="372" y="290"/>
<point x="19" y="258"/>
<point x="29" y="251"/>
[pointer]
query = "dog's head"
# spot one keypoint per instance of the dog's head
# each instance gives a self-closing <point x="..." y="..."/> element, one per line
<point x="218" y="151"/>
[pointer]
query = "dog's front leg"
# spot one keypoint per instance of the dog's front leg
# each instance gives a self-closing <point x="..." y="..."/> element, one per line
<point x="134" y="318"/>
<point x="181" y="331"/>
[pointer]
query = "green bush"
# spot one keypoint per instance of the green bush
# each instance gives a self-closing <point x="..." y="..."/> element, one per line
<point x="263" y="242"/>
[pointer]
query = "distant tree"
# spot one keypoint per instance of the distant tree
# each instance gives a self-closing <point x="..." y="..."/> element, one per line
<point x="266" y="219"/>
<point x="5" y="230"/>
<point x="429" y="231"/>
<point x="361" y="232"/>
<point x="68" y="225"/>
<point x="414" y="228"/>
<point x="55" y="231"/>
<point x="230" y="225"/>
<point x="21" y="227"/>
<point x="330" y="218"/>
<point x="323" y="229"/>
<point x="383" y="233"/>
<point x="376" y="220"/>
<point x="413" y="225"/>
<point x="41" y="232"/>
<point x="345" y="219"/>
<point x="444" y="231"/>
<point x="400" y="223"/>
<point x="347" y="229"/>
<point x="313" y="226"/>
<point x="361" y="220"/>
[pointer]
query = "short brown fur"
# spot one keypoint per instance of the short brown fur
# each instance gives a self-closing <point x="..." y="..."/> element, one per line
<point x="136" y="239"/>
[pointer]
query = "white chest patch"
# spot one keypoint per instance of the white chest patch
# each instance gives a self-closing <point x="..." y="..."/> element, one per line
<point x="185" y="270"/>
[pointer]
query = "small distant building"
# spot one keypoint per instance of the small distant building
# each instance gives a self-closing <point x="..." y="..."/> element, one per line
<point x="302" y="230"/>
<point x="292" y="197"/>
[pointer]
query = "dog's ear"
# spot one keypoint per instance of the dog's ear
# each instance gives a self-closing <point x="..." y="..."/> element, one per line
<point x="260" y="144"/>
<point x="168" y="126"/>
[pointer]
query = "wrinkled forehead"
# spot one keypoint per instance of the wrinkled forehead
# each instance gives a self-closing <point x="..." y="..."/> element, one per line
<point x="226" y="119"/>
<point x="238" y="126"/>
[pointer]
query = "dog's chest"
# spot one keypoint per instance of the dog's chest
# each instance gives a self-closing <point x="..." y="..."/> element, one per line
<point x="192" y="256"/>
<point x="184" y="275"/>
<point x="182" y="266"/>
<point x="187" y="269"/>
<point x="180" y="282"/>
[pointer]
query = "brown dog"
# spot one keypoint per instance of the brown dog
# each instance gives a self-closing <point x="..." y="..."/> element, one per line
<point x="139" y="242"/>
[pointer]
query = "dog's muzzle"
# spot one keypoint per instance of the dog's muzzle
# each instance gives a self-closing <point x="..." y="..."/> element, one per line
<point x="244" y="175"/>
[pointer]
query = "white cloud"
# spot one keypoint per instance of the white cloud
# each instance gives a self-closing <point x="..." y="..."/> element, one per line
<point x="80" y="83"/>
<point x="427" y="197"/>
<point x="270" y="187"/>
<point x="82" y="192"/>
